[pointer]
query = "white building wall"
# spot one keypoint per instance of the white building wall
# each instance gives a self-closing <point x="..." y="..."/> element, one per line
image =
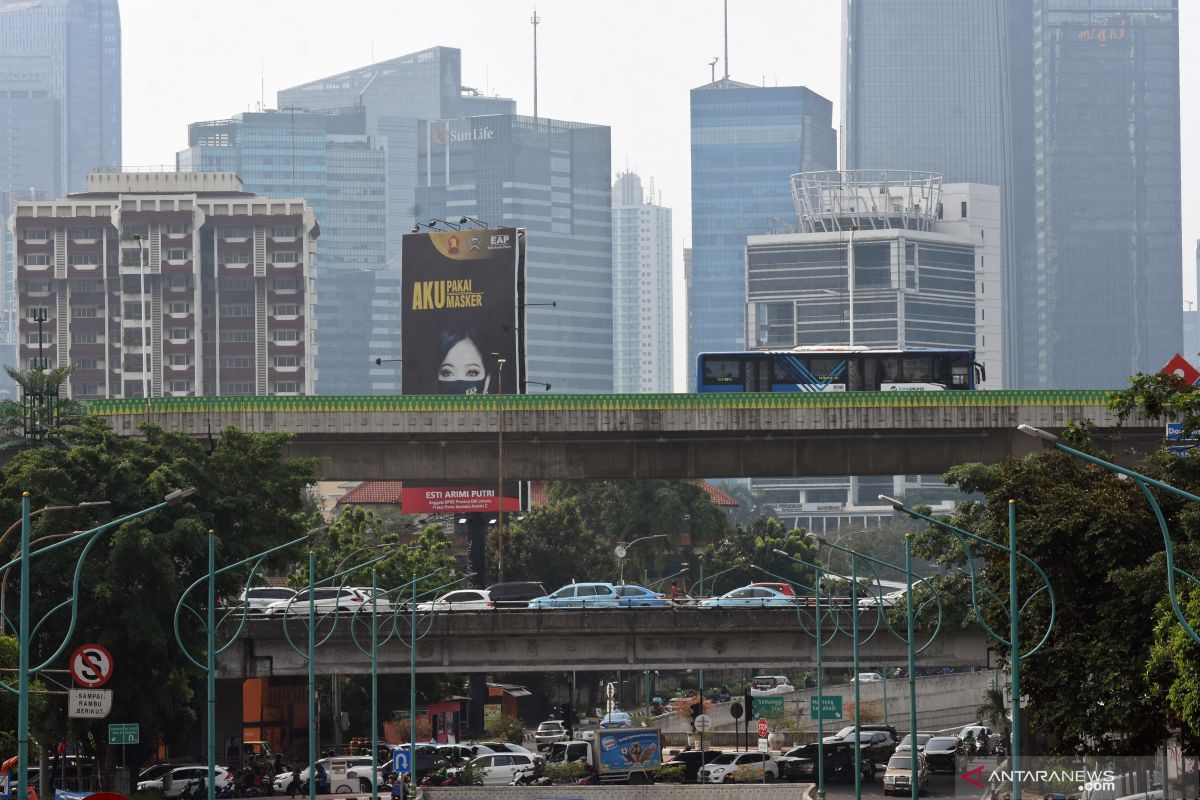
<point x="642" y="334"/>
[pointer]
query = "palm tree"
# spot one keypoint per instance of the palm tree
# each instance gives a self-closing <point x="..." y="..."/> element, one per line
<point x="994" y="712"/>
<point x="42" y="416"/>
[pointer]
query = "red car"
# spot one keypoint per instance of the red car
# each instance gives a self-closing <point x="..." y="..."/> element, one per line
<point x="782" y="588"/>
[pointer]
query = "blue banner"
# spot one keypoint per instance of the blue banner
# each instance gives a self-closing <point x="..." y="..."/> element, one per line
<point x="629" y="749"/>
<point x="59" y="794"/>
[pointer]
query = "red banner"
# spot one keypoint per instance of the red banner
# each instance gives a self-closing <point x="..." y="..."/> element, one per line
<point x="457" y="499"/>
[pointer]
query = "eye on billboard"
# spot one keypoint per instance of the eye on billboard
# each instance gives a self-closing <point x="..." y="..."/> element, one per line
<point x="463" y="311"/>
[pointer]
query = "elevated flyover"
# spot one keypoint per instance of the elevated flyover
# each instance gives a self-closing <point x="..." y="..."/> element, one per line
<point x="549" y="436"/>
<point x="609" y="639"/>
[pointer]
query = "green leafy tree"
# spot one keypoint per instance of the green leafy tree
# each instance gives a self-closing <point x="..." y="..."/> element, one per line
<point x="756" y="544"/>
<point x="247" y="493"/>
<point x="554" y="545"/>
<point x="751" y="504"/>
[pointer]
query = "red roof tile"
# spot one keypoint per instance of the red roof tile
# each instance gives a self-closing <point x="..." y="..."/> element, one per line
<point x="370" y="493"/>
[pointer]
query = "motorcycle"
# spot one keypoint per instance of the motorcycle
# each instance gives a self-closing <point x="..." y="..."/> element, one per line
<point x="530" y="776"/>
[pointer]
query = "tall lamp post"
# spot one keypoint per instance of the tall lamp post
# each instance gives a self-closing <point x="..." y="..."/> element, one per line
<point x="1013" y="611"/>
<point x="499" y="469"/>
<point x="210" y="625"/>
<point x="91" y="536"/>
<point x="622" y="550"/>
<point x="1144" y="482"/>
<point x="909" y="639"/>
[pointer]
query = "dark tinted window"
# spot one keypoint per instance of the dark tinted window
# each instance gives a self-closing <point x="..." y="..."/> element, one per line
<point x="721" y="371"/>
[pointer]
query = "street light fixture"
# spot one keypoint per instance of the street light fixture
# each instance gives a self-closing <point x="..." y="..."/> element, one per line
<point x="622" y="550"/>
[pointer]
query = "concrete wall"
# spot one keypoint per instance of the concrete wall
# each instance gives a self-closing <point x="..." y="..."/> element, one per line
<point x="778" y="791"/>
<point x="526" y="641"/>
<point x="683" y="442"/>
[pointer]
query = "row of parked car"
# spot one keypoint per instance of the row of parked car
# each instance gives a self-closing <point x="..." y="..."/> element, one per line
<point x="277" y="601"/>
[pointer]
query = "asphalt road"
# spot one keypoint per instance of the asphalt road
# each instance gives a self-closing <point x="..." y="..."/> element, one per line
<point x="940" y="785"/>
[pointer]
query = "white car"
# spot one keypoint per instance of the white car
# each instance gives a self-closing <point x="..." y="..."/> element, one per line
<point x="182" y="776"/>
<point x="868" y="677"/>
<point x="325" y="599"/>
<point x="499" y="769"/>
<point x="348" y="774"/>
<point x="770" y="684"/>
<point x="460" y="600"/>
<point x="258" y="598"/>
<point x="733" y="767"/>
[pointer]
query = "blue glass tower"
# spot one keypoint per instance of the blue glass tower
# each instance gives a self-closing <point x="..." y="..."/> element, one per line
<point x="746" y="142"/>
<point x="1106" y="105"/>
<point x="328" y="159"/>
<point x="553" y="179"/>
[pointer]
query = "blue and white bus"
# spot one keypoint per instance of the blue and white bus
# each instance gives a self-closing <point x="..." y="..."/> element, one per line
<point x="838" y="369"/>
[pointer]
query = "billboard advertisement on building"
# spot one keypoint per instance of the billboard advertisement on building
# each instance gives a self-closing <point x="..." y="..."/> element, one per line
<point x="463" y="314"/>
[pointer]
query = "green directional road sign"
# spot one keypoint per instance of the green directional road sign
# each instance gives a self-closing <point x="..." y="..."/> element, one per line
<point x="769" y="707"/>
<point x="825" y="707"/>
<point x="124" y="733"/>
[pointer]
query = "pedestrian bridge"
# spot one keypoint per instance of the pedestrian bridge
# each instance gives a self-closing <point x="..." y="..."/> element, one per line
<point x="566" y="437"/>
<point x="602" y="639"/>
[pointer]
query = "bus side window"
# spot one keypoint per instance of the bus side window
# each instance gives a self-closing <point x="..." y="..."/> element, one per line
<point x="867" y="377"/>
<point x="891" y="369"/>
<point x="917" y="369"/>
<point x="722" y="371"/>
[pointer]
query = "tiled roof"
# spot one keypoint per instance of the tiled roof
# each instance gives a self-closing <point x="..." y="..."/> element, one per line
<point x="370" y="493"/>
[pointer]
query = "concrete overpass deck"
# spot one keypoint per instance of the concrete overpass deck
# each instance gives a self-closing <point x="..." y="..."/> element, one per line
<point x="549" y="436"/>
<point x="602" y="639"/>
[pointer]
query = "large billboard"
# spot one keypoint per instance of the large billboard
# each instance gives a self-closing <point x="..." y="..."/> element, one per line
<point x="463" y="312"/>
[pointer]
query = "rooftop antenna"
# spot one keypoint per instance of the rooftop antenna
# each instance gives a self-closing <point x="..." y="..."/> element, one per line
<point x="726" y="39"/>
<point x="535" y="20"/>
<point x="712" y="68"/>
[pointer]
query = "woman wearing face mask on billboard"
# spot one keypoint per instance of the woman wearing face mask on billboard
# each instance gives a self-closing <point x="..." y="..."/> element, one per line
<point x="462" y="368"/>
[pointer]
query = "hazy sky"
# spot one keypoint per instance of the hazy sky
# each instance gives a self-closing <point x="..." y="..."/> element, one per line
<point x="624" y="63"/>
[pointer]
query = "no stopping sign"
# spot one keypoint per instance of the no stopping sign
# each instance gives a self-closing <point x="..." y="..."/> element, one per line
<point x="91" y="665"/>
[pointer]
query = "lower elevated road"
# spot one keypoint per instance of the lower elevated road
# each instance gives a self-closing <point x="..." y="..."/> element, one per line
<point x="527" y="641"/>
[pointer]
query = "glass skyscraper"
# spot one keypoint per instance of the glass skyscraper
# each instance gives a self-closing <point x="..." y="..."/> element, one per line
<point x="1106" y="105"/>
<point x="746" y="143"/>
<point x="60" y="110"/>
<point x="552" y="178"/>
<point x="328" y="159"/>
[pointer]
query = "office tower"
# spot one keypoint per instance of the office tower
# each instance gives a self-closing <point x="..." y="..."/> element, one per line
<point x="926" y="258"/>
<point x="746" y="142"/>
<point x="552" y="178"/>
<point x="72" y="48"/>
<point x="1191" y="321"/>
<point x="1106" y="109"/>
<point x="642" y="338"/>
<point x="60" y="110"/>
<point x="327" y="158"/>
<point x="928" y="86"/>
<point x="213" y="296"/>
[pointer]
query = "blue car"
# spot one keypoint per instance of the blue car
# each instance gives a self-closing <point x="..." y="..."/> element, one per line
<point x="600" y="595"/>
<point x="751" y="597"/>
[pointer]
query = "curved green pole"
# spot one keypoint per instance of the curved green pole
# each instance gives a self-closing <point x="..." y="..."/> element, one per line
<point x="1143" y="481"/>
<point x="23" y="669"/>
<point x="312" y="672"/>
<point x="374" y="683"/>
<point x="211" y="651"/>
<point x="312" y="584"/>
<point x="820" y="688"/>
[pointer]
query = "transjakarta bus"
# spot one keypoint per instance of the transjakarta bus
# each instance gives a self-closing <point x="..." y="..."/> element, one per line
<point x="838" y="369"/>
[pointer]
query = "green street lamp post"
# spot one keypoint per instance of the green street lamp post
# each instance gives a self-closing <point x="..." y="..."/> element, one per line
<point x="1144" y="482"/>
<point x="210" y="627"/>
<point x="24" y="628"/>
<point x="1014" y="609"/>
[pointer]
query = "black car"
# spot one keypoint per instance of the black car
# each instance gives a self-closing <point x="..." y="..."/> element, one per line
<point x="800" y="763"/>
<point x="876" y="745"/>
<point x="945" y="753"/>
<point x="692" y="760"/>
<point x="515" y="594"/>
<point x="849" y="729"/>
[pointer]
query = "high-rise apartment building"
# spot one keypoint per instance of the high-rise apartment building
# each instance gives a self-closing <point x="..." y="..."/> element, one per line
<point x="1106" y="112"/>
<point x="329" y="159"/>
<point x="642" y="338"/>
<point x="1191" y="320"/>
<point x="926" y="274"/>
<point x="550" y="177"/>
<point x="168" y="284"/>
<point x="745" y="143"/>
